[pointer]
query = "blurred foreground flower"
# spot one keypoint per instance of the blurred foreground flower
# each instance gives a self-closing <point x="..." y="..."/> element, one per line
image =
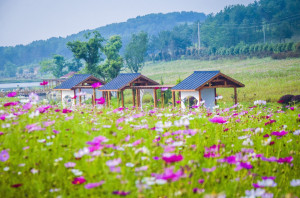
<point x="97" y="84"/>
<point x="4" y="156"/>
<point x="78" y="180"/>
<point x="12" y="94"/>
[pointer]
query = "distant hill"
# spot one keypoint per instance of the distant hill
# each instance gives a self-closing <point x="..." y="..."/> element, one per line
<point x="42" y="49"/>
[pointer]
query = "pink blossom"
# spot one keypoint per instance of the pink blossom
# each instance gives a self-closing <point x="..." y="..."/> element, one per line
<point x="178" y="101"/>
<point x="10" y="104"/>
<point x="170" y="157"/>
<point x="292" y="108"/>
<point x="270" y="122"/>
<point x="137" y="142"/>
<point x="66" y="111"/>
<point x="93" y="185"/>
<point x="280" y="134"/>
<point x="127" y="138"/>
<point x="164" y="89"/>
<point x="2" y="117"/>
<point x="48" y="123"/>
<point x="169" y="174"/>
<point x="219" y="120"/>
<point x="4" y="156"/>
<point x="209" y="169"/>
<point x="27" y="106"/>
<point x="285" y="160"/>
<point x="121" y="193"/>
<point x="43" y="83"/>
<point x="12" y="94"/>
<point x="115" y="169"/>
<point x="97" y="84"/>
<point x="97" y="141"/>
<point x="55" y="131"/>
<point x="78" y="180"/>
<point x="70" y="165"/>
<point x="100" y="100"/>
<point x="201" y="181"/>
<point x="114" y="162"/>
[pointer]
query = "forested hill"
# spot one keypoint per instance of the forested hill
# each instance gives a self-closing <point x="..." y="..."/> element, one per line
<point x="39" y="50"/>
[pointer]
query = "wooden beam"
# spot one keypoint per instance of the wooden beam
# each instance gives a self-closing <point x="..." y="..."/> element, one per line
<point x="118" y="98"/>
<point x="133" y="97"/>
<point x="173" y="98"/>
<point x="94" y="97"/>
<point x="155" y="98"/>
<point x="138" y="98"/>
<point x="122" y="98"/>
<point x="235" y="96"/>
<point x="108" y="96"/>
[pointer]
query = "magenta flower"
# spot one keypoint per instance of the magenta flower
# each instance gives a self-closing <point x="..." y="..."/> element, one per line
<point x="201" y="181"/>
<point x="48" y="123"/>
<point x="219" y="120"/>
<point x="271" y="177"/>
<point x="27" y="106"/>
<point x="55" y="131"/>
<point x="66" y="111"/>
<point x="137" y="142"/>
<point x="178" y="101"/>
<point x="97" y="141"/>
<point x="280" y="134"/>
<point x="100" y="100"/>
<point x="12" y="94"/>
<point x="164" y="89"/>
<point x="170" y="157"/>
<point x="4" y="156"/>
<point x="270" y="122"/>
<point x="285" y="160"/>
<point x="169" y="174"/>
<point x="10" y="104"/>
<point x="93" y="185"/>
<point x="70" y="165"/>
<point x="115" y="169"/>
<point x="97" y="84"/>
<point x="114" y="162"/>
<point x="246" y="165"/>
<point x="78" y="180"/>
<point x="44" y="83"/>
<point x="121" y="193"/>
<point x="292" y="108"/>
<point x="2" y="117"/>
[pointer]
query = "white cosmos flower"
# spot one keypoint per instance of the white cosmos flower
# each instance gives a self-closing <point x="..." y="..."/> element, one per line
<point x="295" y="182"/>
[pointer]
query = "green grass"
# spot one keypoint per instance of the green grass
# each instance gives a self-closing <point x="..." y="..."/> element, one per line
<point x="264" y="79"/>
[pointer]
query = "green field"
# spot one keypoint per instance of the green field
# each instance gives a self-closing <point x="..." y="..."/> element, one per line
<point x="264" y="79"/>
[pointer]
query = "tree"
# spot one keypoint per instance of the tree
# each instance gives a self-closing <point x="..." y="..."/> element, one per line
<point x="89" y="51"/>
<point x="114" y="62"/>
<point x="59" y="65"/>
<point x="135" y="51"/>
<point x="75" y="65"/>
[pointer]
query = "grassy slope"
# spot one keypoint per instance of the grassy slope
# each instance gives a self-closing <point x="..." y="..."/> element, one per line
<point x="264" y="79"/>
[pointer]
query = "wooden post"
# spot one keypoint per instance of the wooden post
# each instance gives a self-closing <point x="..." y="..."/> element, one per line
<point x="162" y="98"/>
<point x="80" y="97"/>
<point x="133" y="97"/>
<point x="173" y="98"/>
<point x="215" y="96"/>
<point x="94" y="97"/>
<point x="179" y="97"/>
<point x="138" y="98"/>
<point x="122" y="98"/>
<point x="155" y="98"/>
<point x="199" y="97"/>
<point x="61" y="96"/>
<point x="74" y="96"/>
<point x="118" y="96"/>
<point x="108" y="97"/>
<point x="235" y="96"/>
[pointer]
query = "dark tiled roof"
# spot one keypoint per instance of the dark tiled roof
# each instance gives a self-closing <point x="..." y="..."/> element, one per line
<point x="195" y="80"/>
<point x="120" y="81"/>
<point x="73" y="81"/>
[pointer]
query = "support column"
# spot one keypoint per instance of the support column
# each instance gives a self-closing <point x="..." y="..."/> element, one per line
<point x="108" y="97"/>
<point x="61" y="96"/>
<point x="155" y="98"/>
<point x="74" y="96"/>
<point x="94" y="97"/>
<point x="138" y="98"/>
<point x="118" y="98"/>
<point x="235" y="96"/>
<point x="199" y="97"/>
<point x="133" y="97"/>
<point x="122" y="98"/>
<point x="173" y="98"/>
<point x="215" y="96"/>
<point x="80" y="97"/>
<point x="162" y="99"/>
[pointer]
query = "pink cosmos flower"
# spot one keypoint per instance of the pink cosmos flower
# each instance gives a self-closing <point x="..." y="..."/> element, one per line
<point x="170" y="157"/>
<point x="66" y="111"/>
<point x="178" y="101"/>
<point x="114" y="162"/>
<point x="93" y="185"/>
<point x="219" y="120"/>
<point x="201" y="181"/>
<point x="2" y="117"/>
<point x="209" y="169"/>
<point x="270" y="122"/>
<point x="97" y="84"/>
<point x="137" y="142"/>
<point x="271" y="177"/>
<point x="285" y="160"/>
<point x="97" y="141"/>
<point x="115" y="169"/>
<point x="12" y="94"/>
<point x="100" y="100"/>
<point x="10" y="104"/>
<point x="55" y="131"/>
<point x="78" y="180"/>
<point x="169" y="174"/>
<point x="44" y="83"/>
<point x="70" y="165"/>
<point x="198" y="190"/>
<point x="164" y="89"/>
<point x="4" y="156"/>
<point x="27" y="106"/>
<point x="292" y="108"/>
<point x="280" y="134"/>
<point x="121" y="193"/>
<point x="48" y="123"/>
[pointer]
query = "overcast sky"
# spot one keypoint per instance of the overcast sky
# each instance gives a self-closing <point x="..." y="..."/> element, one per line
<point x="23" y="21"/>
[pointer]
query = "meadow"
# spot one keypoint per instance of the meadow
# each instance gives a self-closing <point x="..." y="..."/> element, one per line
<point x="239" y="151"/>
<point x="264" y="79"/>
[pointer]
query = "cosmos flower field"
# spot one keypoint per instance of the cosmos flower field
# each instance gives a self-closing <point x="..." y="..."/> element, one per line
<point x="241" y="151"/>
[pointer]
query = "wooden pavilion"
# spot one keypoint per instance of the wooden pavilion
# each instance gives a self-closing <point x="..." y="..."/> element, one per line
<point x="78" y="82"/>
<point x="138" y="83"/>
<point x="202" y="85"/>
